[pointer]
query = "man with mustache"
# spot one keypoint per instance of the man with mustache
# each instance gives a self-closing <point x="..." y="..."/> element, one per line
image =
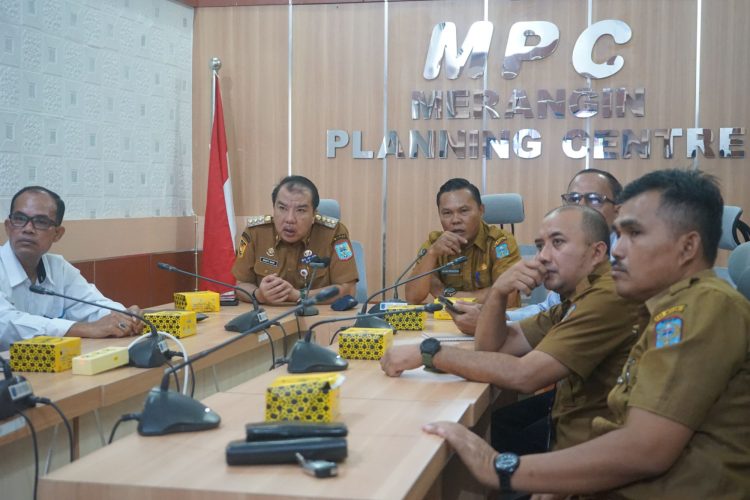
<point x="33" y="225"/>
<point x="579" y="344"/>
<point x="275" y="252"/>
<point x="489" y="249"/>
<point x="680" y="407"/>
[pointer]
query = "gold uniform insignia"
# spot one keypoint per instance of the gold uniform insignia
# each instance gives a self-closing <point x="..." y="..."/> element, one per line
<point x="258" y="220"/>
<point x="672" y="311"/>
<point x="243" y="246"/>
<point x="330" y="222"/>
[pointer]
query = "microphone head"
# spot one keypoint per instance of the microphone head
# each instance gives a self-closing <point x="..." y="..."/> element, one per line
<point x="459" y="260"/>
<point x="163" y="265"/>
<point x="325" y="294"/>
<point x="39" y="289"/>
<point x="320" y="262"/>
<point x="433" y="307"/>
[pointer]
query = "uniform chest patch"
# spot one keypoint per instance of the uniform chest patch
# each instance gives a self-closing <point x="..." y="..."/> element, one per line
<point x="269" y="262"/>
<point x="343" y="250"/>
<point x="501" y="251"/>
<point x="668" y="331"/>
<point x="242" y="247"/>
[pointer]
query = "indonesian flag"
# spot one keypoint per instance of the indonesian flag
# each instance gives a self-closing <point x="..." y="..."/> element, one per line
<point x="220" y="230"/>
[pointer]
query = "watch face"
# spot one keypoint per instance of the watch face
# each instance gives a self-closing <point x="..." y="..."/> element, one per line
<point x="430" y="346"/>
<point x="506" y="462"/>
<point x="449" y="292"/>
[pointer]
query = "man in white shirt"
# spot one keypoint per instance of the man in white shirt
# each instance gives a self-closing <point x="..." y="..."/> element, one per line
<point x="33" y="225"/>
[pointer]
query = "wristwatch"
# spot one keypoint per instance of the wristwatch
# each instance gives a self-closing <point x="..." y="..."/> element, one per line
<point x="505" y="465"/>
<point x="449" y="291"/>
<point x="428" y="348"/>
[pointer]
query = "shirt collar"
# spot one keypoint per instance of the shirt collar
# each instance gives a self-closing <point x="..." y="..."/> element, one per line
<point x="14" y="270"/>
<point x="653" y="302"/>
<point x="583" y="285"/>
<point x="305" y="241"/>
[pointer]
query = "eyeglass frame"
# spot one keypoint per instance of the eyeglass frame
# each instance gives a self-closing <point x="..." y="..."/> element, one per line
<point x="586" y="197"/>
<point x="34" y="220"/>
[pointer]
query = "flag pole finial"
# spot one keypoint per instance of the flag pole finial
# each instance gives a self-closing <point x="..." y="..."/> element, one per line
<point x="215" y="64"/>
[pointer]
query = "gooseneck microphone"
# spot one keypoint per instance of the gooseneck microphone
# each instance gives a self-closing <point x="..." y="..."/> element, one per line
<point x="241" y="323"/>
<point x="365" y="322"/>
<point x="422" y="252"/>
<point x="315" y="263"/>
<point x="167" y="412"/>
<point x="307" y="357"/>
<point x="148" y="353"/>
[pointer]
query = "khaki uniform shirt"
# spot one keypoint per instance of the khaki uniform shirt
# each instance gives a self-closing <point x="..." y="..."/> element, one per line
<point x="488" y="256"/>
<point x="692" y="365"/>
<point x="591" y="333"/>
<point x="262" y="252"/>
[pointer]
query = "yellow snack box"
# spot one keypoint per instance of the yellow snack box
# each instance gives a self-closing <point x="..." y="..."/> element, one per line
<point x="443" y="314"/>
<point x="178" y="323"/>
<point x="364" y="343"/>
<point x="311" y="397"/>
<point x="205" y="301"/>
<point x="406" y="320"/>
<point x="44" y="354"/>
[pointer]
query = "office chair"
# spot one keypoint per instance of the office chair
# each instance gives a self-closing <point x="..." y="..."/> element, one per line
<point x="739" y="268"/>
<point x="504" y="208"/>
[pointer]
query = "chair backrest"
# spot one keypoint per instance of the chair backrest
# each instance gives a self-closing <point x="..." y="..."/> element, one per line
<point x="504" y="208"/>
<point x="329" y="207"/>
<point x="729" y="220"/>
<point x="739" y="268"/>
<point x="359" y="257"/>
<point x="539" y="293"/>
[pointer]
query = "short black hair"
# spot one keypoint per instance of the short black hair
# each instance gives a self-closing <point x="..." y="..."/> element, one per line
<point x="60" y="205"/>
<point x="593" y="223"/>
<point x="296" y="183"/>
<point x="458" y="183"/>
<point x="691" y="201"/>
<point x="614" y="184"/>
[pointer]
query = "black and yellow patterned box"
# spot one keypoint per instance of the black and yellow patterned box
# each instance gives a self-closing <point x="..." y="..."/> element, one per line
<point x="178" y="323"/>
<point x="364" y="343"/>
<point x="201" y="302"/>
<point x="311" y="397"/>
<point x="443" y="314"/>
<point x="44" y="354"/>
<point x="407" y="320"/>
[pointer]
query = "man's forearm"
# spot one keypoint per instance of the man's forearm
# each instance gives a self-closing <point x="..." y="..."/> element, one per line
<point x="501" y="370"/>
<point x="417" y="291"/>
<point x="492" y="329"/>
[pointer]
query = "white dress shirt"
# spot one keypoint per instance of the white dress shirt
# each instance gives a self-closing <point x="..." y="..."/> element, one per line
<point x="24" y="314"/>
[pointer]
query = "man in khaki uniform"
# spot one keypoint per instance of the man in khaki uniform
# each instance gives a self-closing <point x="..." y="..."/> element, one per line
<point x="580" y="344"/>
<point x="275" y="253"/>
<point x="489" y="250"/>
<point x="681" y="406"/>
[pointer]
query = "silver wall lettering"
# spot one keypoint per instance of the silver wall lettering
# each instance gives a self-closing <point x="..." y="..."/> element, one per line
<point x="391" y="146"/>
<point x="588" y="108"/>
<point x="636" y="102"/>
<point x="458" y="146"/>
<point x="631" y="141"/>
<point x="519" y="103"/>
<point x="357" y="152"/>
<point x="501" y="146"/>
<point x="544" y="100"/>
<point x="417" y="142"/>
<point x="699" y="138"/>
<point x="335" y="139"/>
<point x="486" y="100"/>
<point x="457" y="104"/>
<point x="668" y="135"/>
<point x="518" y="50"/>
<point x="569" y="141"/>
<point x="526" y="143"/>
<point x="473" y="144"/>
<point x="582" y="50"/>
<point x="602" y="142"/>
<point x="443" y="47"/>
<point x="727" y="141"/>
<point x="422" y="107"/>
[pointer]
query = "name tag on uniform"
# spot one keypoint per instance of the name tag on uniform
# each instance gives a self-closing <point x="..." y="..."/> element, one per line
<point x="450" y="271"/>
<point x="270" y="262"/>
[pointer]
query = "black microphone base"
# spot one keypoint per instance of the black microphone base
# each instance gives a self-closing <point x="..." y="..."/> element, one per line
<point x="309" y="311"/>
<point x="372" y="322"/>
<point x="307" y="357"/>
<point x="168" y="412"/>
<point x="147" y="354"/>
<point x="246" y="321"/>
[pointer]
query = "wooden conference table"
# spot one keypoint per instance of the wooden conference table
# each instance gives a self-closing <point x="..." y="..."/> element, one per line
<point x="389" y="455"/>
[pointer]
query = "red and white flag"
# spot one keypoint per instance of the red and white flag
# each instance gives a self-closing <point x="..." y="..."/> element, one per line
<point x="220" y="229"/>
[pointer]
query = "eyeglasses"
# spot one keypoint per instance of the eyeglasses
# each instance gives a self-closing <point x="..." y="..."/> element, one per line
<point x="591" y="199"/>
<point x="40" y="222"/>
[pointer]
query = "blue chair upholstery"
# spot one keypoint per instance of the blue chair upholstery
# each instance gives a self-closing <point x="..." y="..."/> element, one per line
<point x="504" y="208"/>
<point x="739" y="268"/>
<point x="329" y="207"/>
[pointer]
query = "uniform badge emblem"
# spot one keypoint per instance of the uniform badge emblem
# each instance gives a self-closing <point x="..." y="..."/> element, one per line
<point x="307" y="253"/>
<point x="271" y="252"/>
<point x="502" y="251"/>
<point x="303" y="273"/>
<point x="343" y="250"/>
<point x="668" y="331"/>
<point x="243" y="247"/>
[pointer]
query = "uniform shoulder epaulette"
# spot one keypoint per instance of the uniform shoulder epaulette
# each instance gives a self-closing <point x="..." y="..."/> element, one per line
<point x="330" y="222"/>
<point x="258" y="220"/>
<point x="495" y="233"/>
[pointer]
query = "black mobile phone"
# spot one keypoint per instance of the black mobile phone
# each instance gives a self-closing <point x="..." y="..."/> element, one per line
<point x="448" y="304"/>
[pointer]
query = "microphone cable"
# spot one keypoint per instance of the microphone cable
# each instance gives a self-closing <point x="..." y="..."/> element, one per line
<point x="123" y="418"/>
<point x="48" y="402"/>
<point x="36" y="449"/>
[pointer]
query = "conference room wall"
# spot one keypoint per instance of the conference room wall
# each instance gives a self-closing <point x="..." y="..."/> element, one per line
<point x="339" y="79"/>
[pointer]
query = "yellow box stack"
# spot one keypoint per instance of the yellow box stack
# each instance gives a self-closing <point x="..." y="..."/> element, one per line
<point x="310" y="397"/>
<point x="364" y="343"/>
<point x="406" y="320"/>
<point x="44" y="354"/>
<point x="197" y="301"/>
<point x="178" y="323"/>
